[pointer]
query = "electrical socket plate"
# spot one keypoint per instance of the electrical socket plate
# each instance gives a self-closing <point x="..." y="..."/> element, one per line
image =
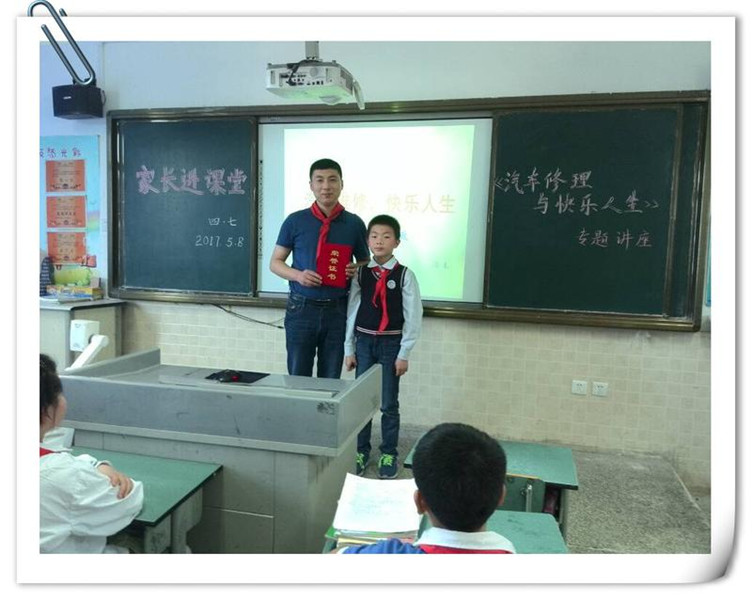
<point x="579" y="387"/>
<point x="600" y="388"/>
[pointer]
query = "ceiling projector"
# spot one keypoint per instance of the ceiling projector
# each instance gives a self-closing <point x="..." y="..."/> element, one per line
<point x="312" y="79"/>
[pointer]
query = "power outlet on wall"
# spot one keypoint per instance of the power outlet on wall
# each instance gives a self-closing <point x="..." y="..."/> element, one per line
<point x="579" y="387"/>
<point x="600" y="388"/>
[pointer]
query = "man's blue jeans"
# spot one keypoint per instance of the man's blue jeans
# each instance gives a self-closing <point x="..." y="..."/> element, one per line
<point x="381" y="349"/>
<point x="315" y="329"/>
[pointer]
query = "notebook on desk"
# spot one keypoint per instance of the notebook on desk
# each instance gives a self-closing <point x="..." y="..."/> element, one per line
<point x="370" y="510"/>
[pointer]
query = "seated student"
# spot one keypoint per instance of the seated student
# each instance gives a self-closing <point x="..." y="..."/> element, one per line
<point x="81" y="500"/>
<point x="459" y="472"/>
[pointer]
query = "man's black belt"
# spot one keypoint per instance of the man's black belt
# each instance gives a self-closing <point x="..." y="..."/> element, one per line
<point x="317" y="301"/>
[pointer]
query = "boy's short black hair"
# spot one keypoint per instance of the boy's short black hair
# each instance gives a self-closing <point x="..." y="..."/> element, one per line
<point x="460" y="472"/>
<point x="324" y="163"/>
<point x="387" y="220"/>
<point x="50" y="386"/>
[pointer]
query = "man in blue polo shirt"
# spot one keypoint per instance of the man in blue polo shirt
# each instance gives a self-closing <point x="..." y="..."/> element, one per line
<point x="322" y="239"/>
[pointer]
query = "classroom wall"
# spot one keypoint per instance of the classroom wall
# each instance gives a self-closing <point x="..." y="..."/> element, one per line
<point x="54" y="73"/>
<point x="511" y="379"/>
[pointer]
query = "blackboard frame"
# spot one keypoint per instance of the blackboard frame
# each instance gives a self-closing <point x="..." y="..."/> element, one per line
<point x="694" y="260"/>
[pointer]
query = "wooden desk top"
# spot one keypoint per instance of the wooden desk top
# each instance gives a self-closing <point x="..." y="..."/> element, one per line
<point x="167" y="482"/>
<point x="553" y="464"/>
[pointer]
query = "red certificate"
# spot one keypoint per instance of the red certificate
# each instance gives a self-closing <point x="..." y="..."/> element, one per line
<point x="331" y="264"/>
<point x="66" y="211"/>
<point x="66" y="247"/>
<point x="65" y="175"/>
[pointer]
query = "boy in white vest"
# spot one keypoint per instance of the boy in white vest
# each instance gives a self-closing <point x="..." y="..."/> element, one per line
<point x="384" y="315"/>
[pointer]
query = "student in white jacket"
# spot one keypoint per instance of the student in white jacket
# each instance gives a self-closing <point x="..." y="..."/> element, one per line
<point x="81" y="500"/>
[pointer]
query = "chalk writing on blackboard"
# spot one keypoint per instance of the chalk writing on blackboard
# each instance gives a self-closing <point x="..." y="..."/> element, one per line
<point x="218" y="241"/>
<point x="625" y="239"/>
<point x="552" y="194"/>
<point x="215" y="181"/>
<point x="565" y="202"/>
<point x="230" y="221"/>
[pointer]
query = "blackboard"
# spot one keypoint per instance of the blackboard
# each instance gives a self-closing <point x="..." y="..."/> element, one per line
<point x="595" y="209"/>
<point x="597" y="215"/>
<point x="184" y="203"/>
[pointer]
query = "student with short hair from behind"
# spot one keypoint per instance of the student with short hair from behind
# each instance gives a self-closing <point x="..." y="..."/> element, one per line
<point x="82" y="501"/>
<point x="459" y="474"/>
<point x="384" y="315"/>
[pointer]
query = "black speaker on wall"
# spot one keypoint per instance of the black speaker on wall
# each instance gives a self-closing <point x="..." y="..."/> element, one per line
<point x="77" y="101"/>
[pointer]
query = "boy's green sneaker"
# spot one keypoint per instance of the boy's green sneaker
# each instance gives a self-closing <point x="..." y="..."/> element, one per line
<point x="361" y="462"/>
<point x="388" y="466"/>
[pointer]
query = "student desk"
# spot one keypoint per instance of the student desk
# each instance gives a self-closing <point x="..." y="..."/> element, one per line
<point x="172" y="495"/>
<point x="553" y="464"/>
<point x="531" y="533"/>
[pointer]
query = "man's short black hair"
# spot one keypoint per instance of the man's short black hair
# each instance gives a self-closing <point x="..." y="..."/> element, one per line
<point x="460" y="472"/>
<point x="325" y="163"/>
<point x="387" y="220"/>
<point x="50" y="386"/>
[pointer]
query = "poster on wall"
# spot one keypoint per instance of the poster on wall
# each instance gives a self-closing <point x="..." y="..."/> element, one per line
<point x="67" y="248"/>
<point x="70" y="233"/>
<point x="66" y="211"/>
<point x="65" y="175"/>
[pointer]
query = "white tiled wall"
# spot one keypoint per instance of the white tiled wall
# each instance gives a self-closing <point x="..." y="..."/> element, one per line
<point x="511" y="379"/>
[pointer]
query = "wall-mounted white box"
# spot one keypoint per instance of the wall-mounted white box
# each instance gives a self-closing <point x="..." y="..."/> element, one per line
<point x="579" y="387"/>
<point x="600" y="388"/>
<point x="81" y="331"/>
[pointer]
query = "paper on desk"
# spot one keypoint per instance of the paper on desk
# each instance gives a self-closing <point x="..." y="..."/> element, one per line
<point x="377" y="505"/>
